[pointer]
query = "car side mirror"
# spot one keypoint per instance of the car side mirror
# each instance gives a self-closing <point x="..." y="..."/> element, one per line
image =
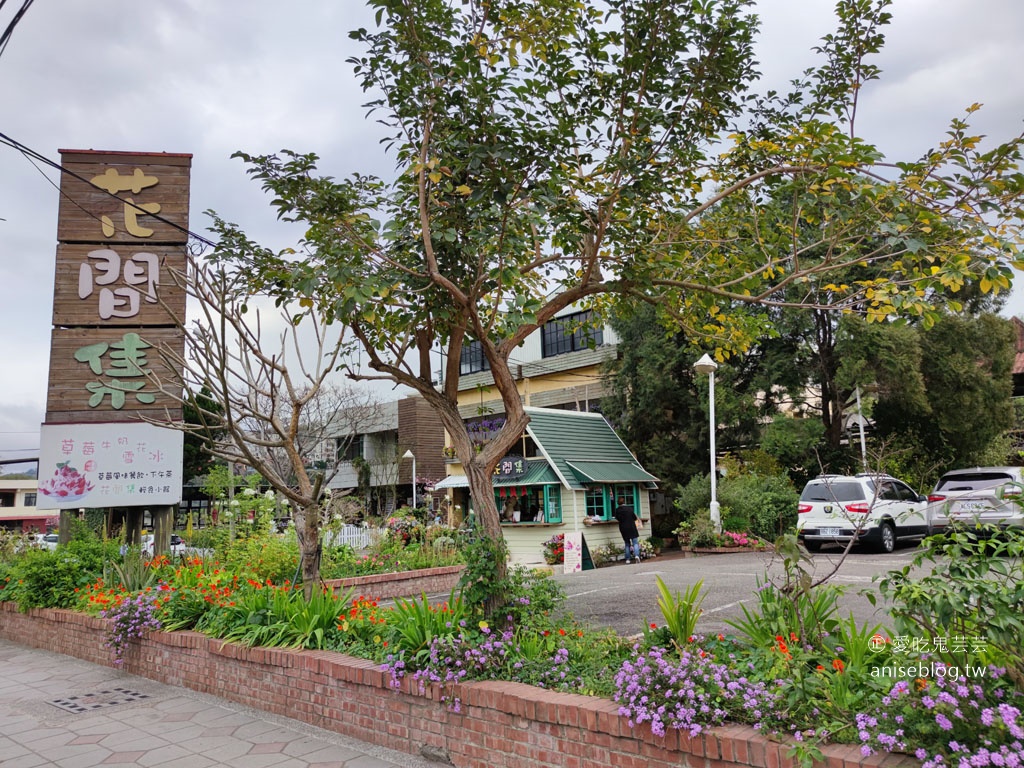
<point x="922" y="497"/>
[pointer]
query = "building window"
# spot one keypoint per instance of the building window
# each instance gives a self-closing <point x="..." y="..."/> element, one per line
<point x="350" y="449"/>
<point x="596" y="506"/>
<point x="570" y="333"/>
<point x="627" y="493"/>
<point x="30" y="499"/>
<point x="473" y="359"/>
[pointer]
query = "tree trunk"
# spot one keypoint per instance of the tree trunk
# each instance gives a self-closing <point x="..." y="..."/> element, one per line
<point x="479" y="469"/>
<point x="307" y="531"/>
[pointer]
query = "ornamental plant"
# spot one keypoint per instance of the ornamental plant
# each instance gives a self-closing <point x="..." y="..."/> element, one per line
<point x="689" y="691"/>
<point x="129" y="620"/>
<point x="975" y="589"/>
<point x="949" y="720"/>
<point x="554" y="549"/>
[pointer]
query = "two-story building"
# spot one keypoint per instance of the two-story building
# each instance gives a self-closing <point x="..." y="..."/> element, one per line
<point x="386" y="447"/>
<point x="18" y="507"/>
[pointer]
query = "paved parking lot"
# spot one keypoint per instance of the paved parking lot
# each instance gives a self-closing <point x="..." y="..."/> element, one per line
<point x="625" y="597"/>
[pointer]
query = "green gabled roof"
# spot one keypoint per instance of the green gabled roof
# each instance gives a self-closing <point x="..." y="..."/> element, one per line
<point x="610" y="472"/>
<point x="586" y="441"/>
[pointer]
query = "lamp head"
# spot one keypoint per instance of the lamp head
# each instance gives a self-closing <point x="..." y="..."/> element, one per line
<point x="408" y="455"/>
<point x="705" y="364"/>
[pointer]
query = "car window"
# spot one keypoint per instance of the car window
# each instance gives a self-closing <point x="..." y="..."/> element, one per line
<point x="837" y="490"/>
<point x="906" y="493"/>
<point x="972" y="481"/>
<point x="887" y="491"/>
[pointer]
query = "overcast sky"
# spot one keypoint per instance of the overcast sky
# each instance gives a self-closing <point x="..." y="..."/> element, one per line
<point x="210" y="78"/>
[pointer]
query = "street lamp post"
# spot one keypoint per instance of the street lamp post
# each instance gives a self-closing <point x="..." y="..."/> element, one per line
<point x="709" y="366"/>
<point x="410" y="455"/>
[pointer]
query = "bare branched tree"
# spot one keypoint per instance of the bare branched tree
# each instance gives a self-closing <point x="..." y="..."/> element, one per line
<point x="277" y="410"/>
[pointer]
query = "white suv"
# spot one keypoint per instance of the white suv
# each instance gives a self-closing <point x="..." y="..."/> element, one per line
<point x="979" y="496"/>
<point x="872" y="509"/>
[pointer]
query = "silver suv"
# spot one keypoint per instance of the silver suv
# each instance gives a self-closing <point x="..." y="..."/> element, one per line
<point x="979" y="496"/>
<point x="871" y="509"/>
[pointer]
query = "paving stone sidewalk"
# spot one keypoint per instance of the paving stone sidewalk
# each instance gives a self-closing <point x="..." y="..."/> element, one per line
<point x="58" y="711"/>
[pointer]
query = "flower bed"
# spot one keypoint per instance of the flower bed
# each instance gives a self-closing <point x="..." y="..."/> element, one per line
<point x="794" y="669"/>
<point x="500" y="723"/>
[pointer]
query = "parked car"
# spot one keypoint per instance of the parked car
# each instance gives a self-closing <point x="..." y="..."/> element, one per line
<point x="178" y="546"/>
<point x="871" y="509"/>
<point x="45" y="540"/>
<point x="979" y="496"/>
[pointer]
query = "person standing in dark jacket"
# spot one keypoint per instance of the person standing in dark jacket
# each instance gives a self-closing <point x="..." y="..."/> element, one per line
<point x="628" y="520"/>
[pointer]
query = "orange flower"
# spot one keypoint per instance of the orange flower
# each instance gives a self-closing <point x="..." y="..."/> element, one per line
<point x="793" y="638"/>
<point x="561" y="632"/>
<point x="820" y="668"/>
<point x="837" y="665"/>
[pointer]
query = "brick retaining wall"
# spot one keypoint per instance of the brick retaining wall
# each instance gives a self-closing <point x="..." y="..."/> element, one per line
<point x="500" y="725"/>
<point x="384" y="586"/>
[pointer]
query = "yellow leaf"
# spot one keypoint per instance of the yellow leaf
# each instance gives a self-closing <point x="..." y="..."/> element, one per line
<point x="306" y="302"/>
<point x="462" y="189"/>
<point x="434" y="176"/>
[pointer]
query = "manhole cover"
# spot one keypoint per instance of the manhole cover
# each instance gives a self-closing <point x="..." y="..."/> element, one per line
<point x="87" y="702"/>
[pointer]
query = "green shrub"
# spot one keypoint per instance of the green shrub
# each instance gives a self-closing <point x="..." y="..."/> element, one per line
<point x="263" y="557"/>
<point x="764" y="505"/>
<point x="42" y="578"/>
<point x="479" y="582"/>
<point x="697" y="531"/>
<point x="975" y="590"/>
<point x="210" y="537"/>
<point x="694" y="497"/>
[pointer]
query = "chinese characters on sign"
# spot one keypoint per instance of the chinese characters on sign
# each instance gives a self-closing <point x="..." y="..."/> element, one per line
<point x="510" y="468"/>
<point x="141" y="274"/>
<point x="127" y="359"/>
<point x="123" y="224"/>
<point x="108" y="465"/>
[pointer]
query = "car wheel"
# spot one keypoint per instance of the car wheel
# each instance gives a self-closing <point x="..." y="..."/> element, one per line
<point x="813" y="546"/>
<point x="886" y="538"/>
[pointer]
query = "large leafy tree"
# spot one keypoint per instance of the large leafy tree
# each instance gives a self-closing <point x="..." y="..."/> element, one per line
<point x="556" y="152"/>
<point x="958" y="400"/>
<point x="659" y="404"/>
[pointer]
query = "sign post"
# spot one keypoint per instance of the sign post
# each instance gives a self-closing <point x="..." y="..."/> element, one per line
<point x="122" y="226"/>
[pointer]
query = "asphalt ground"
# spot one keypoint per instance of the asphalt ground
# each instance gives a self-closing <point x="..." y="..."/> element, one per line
<point x="625" y="597"/>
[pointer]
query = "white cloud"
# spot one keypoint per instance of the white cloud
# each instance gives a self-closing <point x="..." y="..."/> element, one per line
<point x="211" y="78"/>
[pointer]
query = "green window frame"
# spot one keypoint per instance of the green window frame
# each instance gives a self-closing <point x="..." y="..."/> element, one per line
<point x="552" y="500"/>
<point x="597" y="502"/>
<point x="629" y="491"/>
<point x="552" y="504"/>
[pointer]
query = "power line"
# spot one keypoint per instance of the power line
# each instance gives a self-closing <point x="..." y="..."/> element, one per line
<point x="9" y="31"/>
<point x="31" y="155"/>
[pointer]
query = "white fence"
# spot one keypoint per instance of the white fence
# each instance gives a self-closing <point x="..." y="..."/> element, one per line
<point x="354" y="536"/>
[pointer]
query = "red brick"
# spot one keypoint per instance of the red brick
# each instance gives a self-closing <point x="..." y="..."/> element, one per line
<point x="506" y="724"/>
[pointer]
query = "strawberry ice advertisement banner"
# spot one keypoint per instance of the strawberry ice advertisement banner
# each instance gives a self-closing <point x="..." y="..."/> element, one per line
<point x="109" y="465"/>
